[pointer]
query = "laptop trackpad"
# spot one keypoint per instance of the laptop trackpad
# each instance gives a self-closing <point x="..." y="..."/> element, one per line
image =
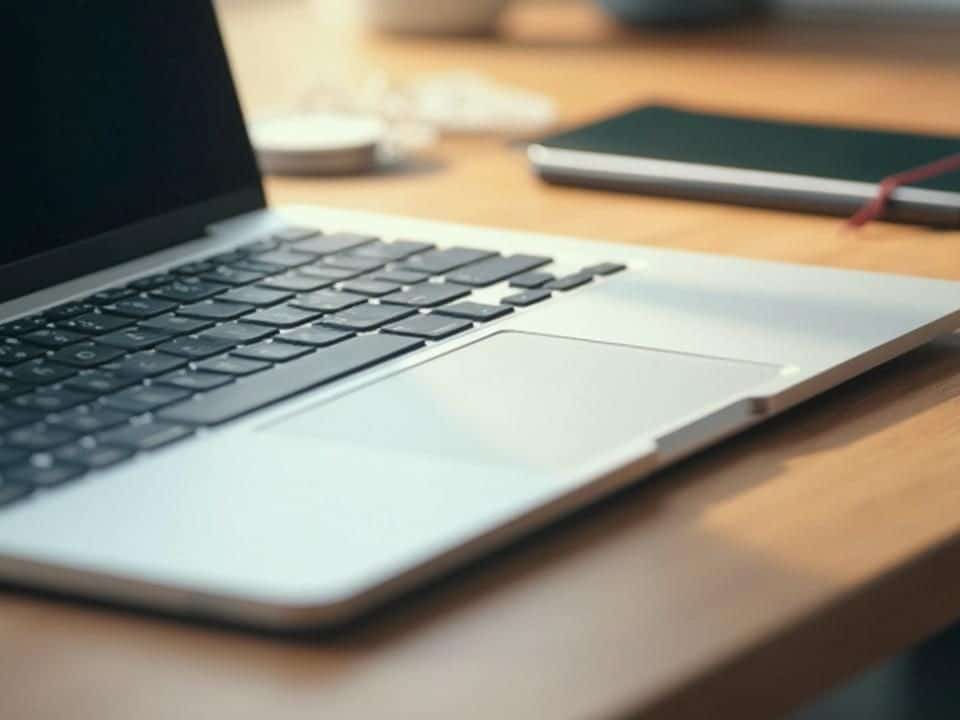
<point x="538" y="401"/>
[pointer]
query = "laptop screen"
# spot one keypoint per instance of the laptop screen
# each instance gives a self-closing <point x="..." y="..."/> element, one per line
<point x="122" y="112"/>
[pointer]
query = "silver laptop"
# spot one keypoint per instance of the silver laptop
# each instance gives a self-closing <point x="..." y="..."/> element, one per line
<point x="285" y="418"/>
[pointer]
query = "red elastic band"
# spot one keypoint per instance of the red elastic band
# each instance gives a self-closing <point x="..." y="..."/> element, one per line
<point x="876" y="207"/>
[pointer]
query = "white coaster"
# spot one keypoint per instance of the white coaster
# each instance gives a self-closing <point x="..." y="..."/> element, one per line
<point x="317" y="143"/>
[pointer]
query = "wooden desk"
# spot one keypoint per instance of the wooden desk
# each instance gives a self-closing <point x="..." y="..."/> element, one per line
<point x="732" y="586"/>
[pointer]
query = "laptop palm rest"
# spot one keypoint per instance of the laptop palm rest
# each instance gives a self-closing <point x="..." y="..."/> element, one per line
<point x="541" y="402"/>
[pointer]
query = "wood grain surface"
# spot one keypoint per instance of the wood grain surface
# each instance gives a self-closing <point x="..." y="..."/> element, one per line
<point x="735" y="585"/>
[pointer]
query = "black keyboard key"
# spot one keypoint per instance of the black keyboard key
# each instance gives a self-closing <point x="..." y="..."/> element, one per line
<point x="257" y="266"/>
<point x="39" y="438"/>
<point x="216" y="311"/>
<point x="141" y="308"/>
<point x="51" y="400"/>
<point x="285" y="381"/>
<point x="95" y="323"/>
<point x="366" y="317"/>
<point x="188" y="290"/>
<point x="282" y="316"/>
<point x="527" y="297"/>
<point x="488" y="272"/>
<point x="235" y="366"/>
<point x="260" y="246"/>
<point x="285" y="258"/>
<point x="39" y="372"/>
<point x="400" y="277"/>
<point x="99" y="382"/>
<point x="11" y="456"/>
<point x="196" y="348"/>
<point x="477" y="312"/>
<point x="437" y="262"/>
<point x="427" y="295"/>
<point x="22" y="326"/>
<point x="46" y="476"/>
<point x="43" y="476"/>
<point x="392" y="252"/>
<point x="232" y="276"/>
<point x="194" y="268"/>
<point x="531" y="280"/>
<point x="92" y="419"/>
<point x="148" y="436"/>
<point x="53" y="338"/>
<point x="294" y="233"/>
<point x="356" y="263"/>
<point x="135" y="338"/>
<point x="11" y="491"/>
<point x="195" y="381"/>
<point x="569" y="282"/>
<point x="151" y="282"/>
<point x="329" y="274"/>
<point x="143" y="399"/>
<point x="239" y="333"/>
<point x="87" y="355"/>
<point x="67" y="310"/>
<point x="110" y="296"/>
<point x="330" y="244"/>
<point x="227" y="258"/>
<point x="146" y="365"/>
<point x="10" y="389"/>
<point x="14" y="351"/>
<point x="372" y="288"/>
<point x="92" y="457"/>
<point x="257" y="296"/>
<point x="315" y="336"/>
<point x="328" y="301"/>
<point x="429" y="327"/>
<point x="10" y="418"/>
<point x="607" y="268"/>
<point x="272" y="351"/>
<point x="297" y="282"/>
<point x="176" y="324"/>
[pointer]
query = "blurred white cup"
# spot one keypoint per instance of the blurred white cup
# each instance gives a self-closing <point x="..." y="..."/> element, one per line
<point x="457" y="17"/>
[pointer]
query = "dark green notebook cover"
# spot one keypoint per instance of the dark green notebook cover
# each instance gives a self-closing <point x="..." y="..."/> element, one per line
<point x="841" y="153"/>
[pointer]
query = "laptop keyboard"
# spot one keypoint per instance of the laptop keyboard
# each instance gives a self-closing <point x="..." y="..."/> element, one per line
<point x="93" y="382"/>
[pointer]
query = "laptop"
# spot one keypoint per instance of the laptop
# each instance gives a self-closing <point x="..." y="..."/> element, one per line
<point x="286" y="417"/>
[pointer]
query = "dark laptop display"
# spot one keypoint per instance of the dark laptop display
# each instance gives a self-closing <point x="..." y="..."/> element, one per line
<point x="123" y="112"/>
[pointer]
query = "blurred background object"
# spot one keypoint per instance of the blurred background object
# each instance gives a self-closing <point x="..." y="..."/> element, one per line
<point x="465" y="17"/>
<point x="680" y="12"/>
<point x="449" y="102"/>
<point x="294" y="56"/>
<point x="677" y="13"/>
<point x="434" y="16"/>
<point x="372" y="122"/>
